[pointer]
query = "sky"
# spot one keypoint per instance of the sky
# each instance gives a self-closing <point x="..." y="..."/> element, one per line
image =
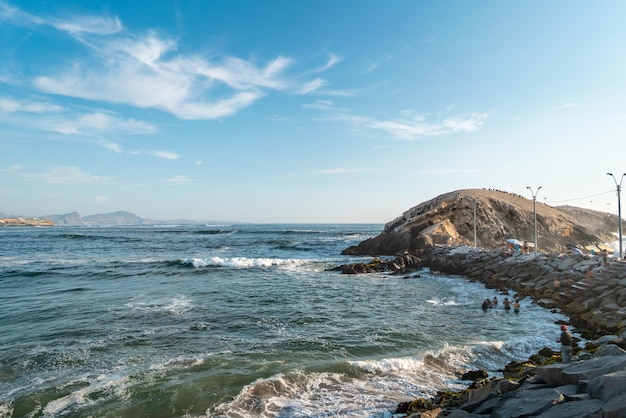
<point x="307" y="111"/>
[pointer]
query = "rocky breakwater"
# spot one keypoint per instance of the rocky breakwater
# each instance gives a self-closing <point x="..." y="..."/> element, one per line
<point x="591" y="293"/>
<point x="593" y="385"/>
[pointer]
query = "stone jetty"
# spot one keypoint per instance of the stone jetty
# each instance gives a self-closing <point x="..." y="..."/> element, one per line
<point x="591" y="291"/>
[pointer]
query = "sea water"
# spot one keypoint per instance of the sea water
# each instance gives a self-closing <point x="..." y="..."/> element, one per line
<point x="235" y="321"/>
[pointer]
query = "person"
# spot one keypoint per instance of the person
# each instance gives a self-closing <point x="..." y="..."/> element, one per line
<point x="486" y="304"/>
<point x="589" y="274"/>
<point x="507" y="304"/>
<point x="566" y="341"/>
<point x="516" y="306"/>
<point x="495" y="301"/>
<point x="605" y="257"/>
<point x="525" y="247"/>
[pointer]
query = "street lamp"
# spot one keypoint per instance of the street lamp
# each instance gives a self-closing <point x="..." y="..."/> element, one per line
<point x="619" y="210"/>
<point x="535" y="211"/>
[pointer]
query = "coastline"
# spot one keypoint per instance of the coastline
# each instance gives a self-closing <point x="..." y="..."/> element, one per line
<point x="25" y="222"/>
<point x="593" y="385"/>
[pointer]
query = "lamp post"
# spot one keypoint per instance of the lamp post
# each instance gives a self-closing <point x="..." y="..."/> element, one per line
<point x="535" y="211"/>
<point x="619" y="210"/>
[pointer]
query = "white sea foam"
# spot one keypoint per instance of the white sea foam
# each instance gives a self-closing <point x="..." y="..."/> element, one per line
<point x="244" y="262"/>
<point x="6" y="409"/>
<point x="442" y="302"/>
<point x="103" y="384"/>
<point x="178" y="305"/>
<point x="313" y="394"/>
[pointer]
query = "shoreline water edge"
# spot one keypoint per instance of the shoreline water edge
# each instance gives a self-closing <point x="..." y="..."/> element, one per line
<point x="589" y="290"/>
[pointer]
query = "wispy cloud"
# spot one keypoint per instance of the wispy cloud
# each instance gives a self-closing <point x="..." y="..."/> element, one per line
<point x="94" y="123"/>
<point x="100" y="25"/>
<point x="147" y="70"/>
<point x="333" y="60"/>
<point x="178" y="179"/>
<point x="166" y="155"/>
<point x="312" y="86"/>
<point x="565" y="106"/>
<point x="407" y="127"/>
<point x="65" y="175"/>
<point x="8" y="104"/>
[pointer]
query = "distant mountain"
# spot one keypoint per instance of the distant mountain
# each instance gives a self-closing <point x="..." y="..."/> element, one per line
<point x="116" y="218"/>
<point x="69" y="219"/>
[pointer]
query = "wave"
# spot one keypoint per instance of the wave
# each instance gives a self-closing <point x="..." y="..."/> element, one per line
<point x="372" y="387"/>
<point x="243" y="262"/>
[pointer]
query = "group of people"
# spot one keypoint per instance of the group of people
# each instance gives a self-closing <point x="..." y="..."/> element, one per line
<point x="488" y="304"/>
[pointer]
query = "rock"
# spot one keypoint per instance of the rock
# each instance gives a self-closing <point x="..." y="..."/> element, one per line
<point x="552" y="373"/>
<point x="616" y="407"/>
<point x="527" y="403"/>
<point x="581" y="409"/>
<point x="474" y="375"/>
<point x="607" y="386"/>
<point x="609" y="350"/>
<point x="587" y="370"/>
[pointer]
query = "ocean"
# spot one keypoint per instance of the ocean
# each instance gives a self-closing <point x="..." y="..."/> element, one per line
<point x="235" y="321"/>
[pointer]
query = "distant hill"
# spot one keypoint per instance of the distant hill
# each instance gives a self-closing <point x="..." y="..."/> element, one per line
<point x="119" y="218"/>
<point x="449" y="219"/>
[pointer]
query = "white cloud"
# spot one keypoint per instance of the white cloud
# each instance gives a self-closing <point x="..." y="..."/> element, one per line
<point x="565" y="105"/>
<point x="64" y="174"/>
<point x="146" y="72"/>
<point x="102" y="199"/>
<point x="113" y="146"/>
<point x="165" y="155"/>
<point x="8" y="104"/>
<point x="178" y="179"/>
<point x="76" y="25"/>
<point x="312" y="86"/>
<point x="97" y="122"/>
<point x="87" y="25"/>
<point x="407" y="127"/>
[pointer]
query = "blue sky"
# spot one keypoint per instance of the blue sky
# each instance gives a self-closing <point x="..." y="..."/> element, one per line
<point x="306" y="111"/>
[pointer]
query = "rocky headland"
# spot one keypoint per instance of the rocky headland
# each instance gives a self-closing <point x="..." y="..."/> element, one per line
<point x="449" y="219"/>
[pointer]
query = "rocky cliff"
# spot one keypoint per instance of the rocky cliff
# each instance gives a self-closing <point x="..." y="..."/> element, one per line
<point x="449" y="219"/>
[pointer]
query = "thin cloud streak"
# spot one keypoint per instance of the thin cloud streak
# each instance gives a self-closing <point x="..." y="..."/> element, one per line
<point x="406" y="128"/>
<point x="66" y="175"/>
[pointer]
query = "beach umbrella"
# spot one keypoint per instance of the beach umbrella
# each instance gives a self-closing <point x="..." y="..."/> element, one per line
<point x="514" y="241"/>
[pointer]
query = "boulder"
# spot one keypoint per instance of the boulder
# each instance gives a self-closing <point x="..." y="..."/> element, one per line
<point x="527" y="403"/>
<point x="608" y="386"/>
<point x="587" y="370"/>
<point x="581" y="409"/>
<point x="616" y="407"/>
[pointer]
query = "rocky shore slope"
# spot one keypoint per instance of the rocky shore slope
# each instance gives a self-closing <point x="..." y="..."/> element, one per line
<point x="585" y="288"/>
